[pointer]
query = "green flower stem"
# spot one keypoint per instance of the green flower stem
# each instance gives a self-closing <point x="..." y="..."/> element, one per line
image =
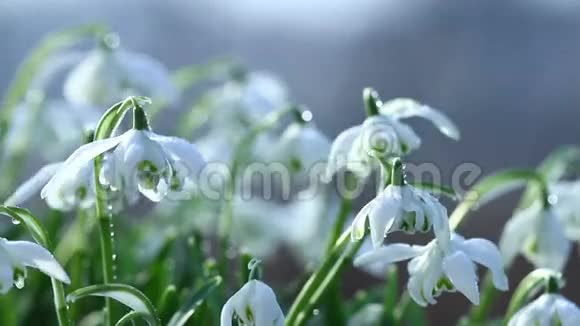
<point x="319" y="282"/>
<point x="60" y="303"/>
<point x="345" y="209"/>
<point x="106" y="237"/>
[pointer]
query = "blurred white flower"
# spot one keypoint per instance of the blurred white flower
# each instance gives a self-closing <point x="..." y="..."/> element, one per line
<point x="106" y="76"/>
<point x="15" y="256"/>
<point x="401" y="208"/>
<point x="547" y="310"/>
<point x="538" y="234"/>
<point x="300" y="147"/>
<point x="258" y="226"/>
<point x="240" y="103"/>
<point x="434" y="269"/>
<point x="567" y="206"/>
<point x="52" y="127"/>
<point x="384" y="135"/>
<point x="254" y="304"/>
<point x="143" y="161"/>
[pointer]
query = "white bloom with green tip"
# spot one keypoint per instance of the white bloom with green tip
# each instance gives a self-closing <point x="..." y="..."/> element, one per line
<point x="16" y="256"/>
<point x="549" y="309"/>
<point x="383" y="135"/>
<point x="143" y="161"/>
<point x="254" y="304"/>
<point x="538" y="234"/>
<point x="301" y="146"/>
<point x="434" y="269"/>
<point x="401" y="208"/>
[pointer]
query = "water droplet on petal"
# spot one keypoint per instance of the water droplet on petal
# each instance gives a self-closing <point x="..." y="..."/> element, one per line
<point x="552" y="199"/>
<point x="15" y="221"/>
<point x="315" y="312"/>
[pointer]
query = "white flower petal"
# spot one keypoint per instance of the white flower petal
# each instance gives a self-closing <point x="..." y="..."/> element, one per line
<point x="358" y="228"/>
<point x="386" y="211"/>
<point x="553" y="248"/>
<point x="6" y="270"/>
<point x="181" y="149"/>
<point x="405" y="108"/>
<point x="389" y="254"/>
<point x="96" y="80"/>
<point x="461" y="272"/>
<point x="32" y="186"/>
<point x="415" y="288"/>
<point x="487" y="254"/>
<point x="83" y="155"/>
<point x="32" y="255"/>
<point x="515" y="232"/>
<point x="568" y="312"/>
<point x="339" y="151"/>
<point x="265" y="312"/>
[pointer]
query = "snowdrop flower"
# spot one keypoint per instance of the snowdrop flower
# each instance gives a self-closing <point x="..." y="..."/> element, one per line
<point x="434" y="269"/>
<point x="566" y="206"/>
<point x="383" y="134"/>
<point x="254" y="304"/>
<point x="241" y="102"/>
<point x="15" y="256"/>
<point x="537" y="233"/>
<point x="301" y="146"/>
<point x="142" y="160"/>
<point x="108" y="75"/>
<point x="549" y="309"/>
<point x="401" y="208"/>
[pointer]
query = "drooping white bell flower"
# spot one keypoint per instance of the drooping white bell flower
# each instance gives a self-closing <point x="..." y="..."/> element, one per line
<point x="549" y="309"/>
<point x="241" y="102"/>
<point x="154" y="165"/>
<point x="401" y="208"/>
<point x="106" y="76"/>
<point x="301" y="146"/>
<point x="567" y="206"/>
<point x="538" y="234"/>
<point x="15" y="256"/>
<point x="254" y="304"/>
<point x="434" y="269"/>
<point x="383" y="134"/>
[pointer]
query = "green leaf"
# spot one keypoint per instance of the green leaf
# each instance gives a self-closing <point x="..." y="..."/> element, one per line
<point x="29" y="68"/>
<point x="131" y="317"/>
<point x="23" y="216"/>
<point x="491" y="187"/>
<point x="115" y="114"/>
<point x="529" y="287"/>
<point x="391" y="295"/>
<point x="125" y="294"/>
<point x="196" y="300"/>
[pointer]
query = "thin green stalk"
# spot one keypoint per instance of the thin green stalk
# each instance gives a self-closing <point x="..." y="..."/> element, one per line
<point x="319" y="282"/>
<point x="345" y="209"/>
<point x="106" y="238"/>
<point x="479" y="313"/>
<point x="60" y="303"/>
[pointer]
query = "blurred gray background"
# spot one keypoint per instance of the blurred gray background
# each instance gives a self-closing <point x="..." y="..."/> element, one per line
<point x="508" y="73"/>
